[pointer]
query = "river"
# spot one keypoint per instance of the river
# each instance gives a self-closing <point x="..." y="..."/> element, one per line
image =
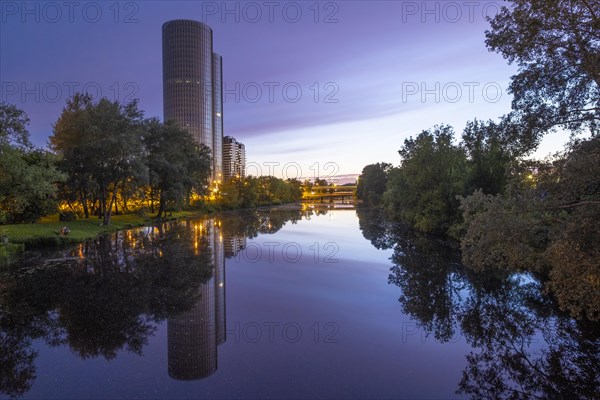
<point x="289" y="302"/>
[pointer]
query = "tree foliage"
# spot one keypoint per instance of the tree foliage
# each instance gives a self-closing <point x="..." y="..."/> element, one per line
<point x="556" y="45"/>
<point x="488" y="155"/>
<point x="176" y="164"/>
<point x="13" y="127"/>
<point x="422" y="191"/>
<point x="28" y="176"/>
<point x="252" y="191"/>
<point x="547" y="222"/>
<point x="101" y="143"/>
<point x="372" y="182"/>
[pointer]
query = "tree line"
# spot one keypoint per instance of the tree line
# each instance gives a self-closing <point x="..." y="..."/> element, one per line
<point x="510" y="212"/>
<point x="106" y="158"/>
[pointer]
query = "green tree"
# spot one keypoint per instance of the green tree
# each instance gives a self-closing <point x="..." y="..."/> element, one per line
<point x="100" y="145"/>
<point x="546" y="223"/>
<point x="488" y="156"/>
<point x="556" y="45"/>
<point x="13" y="127"/>
<point x="28" y="176"/>
<point x="176" y="163"/>
<point x="422" y="192"/>
<point x="373" y="182"/>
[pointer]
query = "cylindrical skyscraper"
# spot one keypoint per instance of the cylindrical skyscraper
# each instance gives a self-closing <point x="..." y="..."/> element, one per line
<point x="217" y="92"/>
<point x="191" y="82"/>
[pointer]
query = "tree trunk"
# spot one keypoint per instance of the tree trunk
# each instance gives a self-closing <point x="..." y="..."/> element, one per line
<point x="161" y="206"/>
<point x="86" y="211"/>
<point x="103" y="210"/>
<point x="109" y="208"/>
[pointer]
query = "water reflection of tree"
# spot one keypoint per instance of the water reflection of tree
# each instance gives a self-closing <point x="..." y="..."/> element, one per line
<point x="107" y="295"/>
<point x="523" y="346"/>
<point x="251" y="223"/>
<point x="375" y="228"/>
<point x="98" y="305"/>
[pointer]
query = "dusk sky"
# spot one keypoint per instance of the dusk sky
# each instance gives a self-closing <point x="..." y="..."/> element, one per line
<point x="345" y="83"/>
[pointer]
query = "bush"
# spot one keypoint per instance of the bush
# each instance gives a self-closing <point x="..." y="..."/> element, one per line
<point x="67" y="216"/>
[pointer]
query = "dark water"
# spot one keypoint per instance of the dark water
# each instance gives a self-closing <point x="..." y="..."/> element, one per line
<point x="282" y="303"/>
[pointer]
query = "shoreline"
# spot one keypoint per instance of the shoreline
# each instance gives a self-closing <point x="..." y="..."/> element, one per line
<point x="45" y="233"/>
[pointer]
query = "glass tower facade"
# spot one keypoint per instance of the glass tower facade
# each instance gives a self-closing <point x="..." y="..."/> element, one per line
<point x="192" y="84"/>
<point x="217" y="92"/>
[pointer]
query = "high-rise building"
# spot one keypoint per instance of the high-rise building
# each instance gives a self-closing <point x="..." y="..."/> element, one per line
<point x="193" y="84"/>
<point x="234" y="158"/>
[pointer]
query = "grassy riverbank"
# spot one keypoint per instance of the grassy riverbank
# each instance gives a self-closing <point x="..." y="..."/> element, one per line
<point x="46" y="231"/>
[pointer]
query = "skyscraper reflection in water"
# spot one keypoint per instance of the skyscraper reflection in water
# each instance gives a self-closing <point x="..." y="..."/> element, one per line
<point x="193" y="336"/>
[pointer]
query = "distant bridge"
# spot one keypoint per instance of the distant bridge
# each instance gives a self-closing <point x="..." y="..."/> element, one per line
<point x="329" y="193"/>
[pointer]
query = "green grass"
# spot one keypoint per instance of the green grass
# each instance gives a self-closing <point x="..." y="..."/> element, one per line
<point x="45" y="232"/>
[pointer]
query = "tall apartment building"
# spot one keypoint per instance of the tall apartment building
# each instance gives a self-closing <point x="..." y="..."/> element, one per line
<point x="193" y="84"/>
<point x="234" y="158"/>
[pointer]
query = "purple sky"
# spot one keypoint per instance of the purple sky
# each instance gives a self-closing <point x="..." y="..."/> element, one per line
<point x="340" y="88"/>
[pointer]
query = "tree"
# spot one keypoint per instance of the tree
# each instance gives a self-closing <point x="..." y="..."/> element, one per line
<point x="13" y="127"/>
<point x="488" y="155"/>
<point x="100" y="145"/>
<point x="373" y="182"/>
<point x="176" y="163"/>
<point x="556" y="45"/>
<point x="546" y="223"/>
<point x="422" y="192"/>
<point x="28" y="176"/>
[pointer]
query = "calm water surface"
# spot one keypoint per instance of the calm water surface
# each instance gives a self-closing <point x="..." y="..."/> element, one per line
<point x="282" y="303"/>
